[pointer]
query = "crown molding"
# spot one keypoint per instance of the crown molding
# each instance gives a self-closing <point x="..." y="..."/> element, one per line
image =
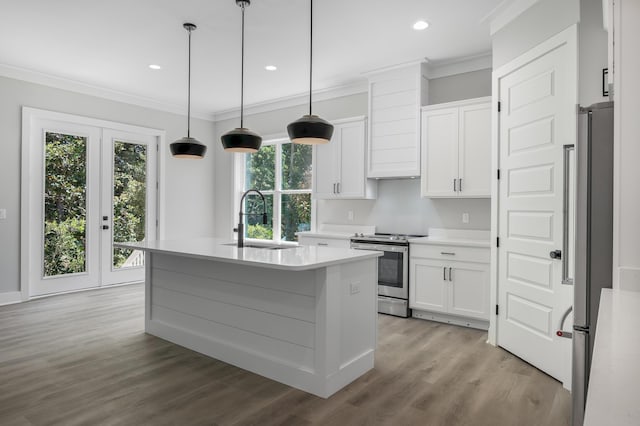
<point x="295" y="100"/>
<point x="460" y="65"/>
<point x="395" y="67"/>
<point x="62" y="83"/>
<point x="506" y="12"/>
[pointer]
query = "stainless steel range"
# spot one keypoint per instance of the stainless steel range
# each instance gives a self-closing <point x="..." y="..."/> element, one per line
<point x="393" y="269"/>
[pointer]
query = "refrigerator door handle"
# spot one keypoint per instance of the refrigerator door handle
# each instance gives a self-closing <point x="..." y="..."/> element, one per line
<point x="566" y="210"/>
<point x="561" y="332"/>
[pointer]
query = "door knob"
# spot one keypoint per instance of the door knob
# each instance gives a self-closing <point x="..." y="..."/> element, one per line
<point x="555" y="254"/>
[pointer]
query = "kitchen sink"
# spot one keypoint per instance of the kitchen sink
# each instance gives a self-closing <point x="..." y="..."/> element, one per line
<point x="261" y="246"/>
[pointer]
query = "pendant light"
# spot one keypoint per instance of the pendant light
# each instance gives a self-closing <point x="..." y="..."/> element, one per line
<point x="188" y="147"/>
<point x="241" y="139"/>
<point x="310" y="129"/>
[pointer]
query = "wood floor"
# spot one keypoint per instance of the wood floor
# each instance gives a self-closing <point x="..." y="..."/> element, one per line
<point x="83" y="359"/>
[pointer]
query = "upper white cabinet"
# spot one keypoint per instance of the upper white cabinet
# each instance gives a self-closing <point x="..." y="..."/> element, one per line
<point x="395" y="97"/>
<point x="339" y="166"/>
<point x="456" y="149"/>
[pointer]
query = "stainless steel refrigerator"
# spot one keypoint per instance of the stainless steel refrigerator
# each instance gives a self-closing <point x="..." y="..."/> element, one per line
<point x="593" y="238"/>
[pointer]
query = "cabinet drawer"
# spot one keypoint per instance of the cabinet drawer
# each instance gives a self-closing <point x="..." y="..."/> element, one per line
<point x="458" y="253"/>
<point x="324" y="242"/>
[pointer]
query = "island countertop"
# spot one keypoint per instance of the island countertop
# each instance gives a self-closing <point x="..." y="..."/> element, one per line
<point x="292" y="258"/>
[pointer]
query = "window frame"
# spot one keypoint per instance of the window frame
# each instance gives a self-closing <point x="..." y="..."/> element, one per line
<point x="239" y="187"/>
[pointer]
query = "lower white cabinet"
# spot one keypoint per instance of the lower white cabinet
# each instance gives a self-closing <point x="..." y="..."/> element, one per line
<point x="454" y="288"/>
<point x="308" y="240"/>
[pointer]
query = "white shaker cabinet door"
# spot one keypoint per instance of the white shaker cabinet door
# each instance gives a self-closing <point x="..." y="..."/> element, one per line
<point x="474" y="151"/>
<point x="428" y="287"/>
<point x="352" y="172"/>
<point x="325" y="170"/>
<point x="440" y="153"/>
<point x="469" y="290"/>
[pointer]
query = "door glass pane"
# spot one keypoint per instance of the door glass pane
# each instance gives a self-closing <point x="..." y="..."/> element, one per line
<point x="296" y="166"/>
<point x="129" y="201"/>
<point x="295" y="215"/>
<point x="65" y="206"/>
<point x="261" y="169"/>
<point x="253" y="208"/>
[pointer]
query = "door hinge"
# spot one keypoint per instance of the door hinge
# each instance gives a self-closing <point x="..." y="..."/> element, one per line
<point x="157" y="185"/>
<point x="497" y="241"/>
<point x="157" y="148"/>
<point x="498" y="174"/>
<point x="499" y="106"/>
<point x="497" y="309"/>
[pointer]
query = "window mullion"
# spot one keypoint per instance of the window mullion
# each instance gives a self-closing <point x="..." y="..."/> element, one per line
<point x="277" y="196"/>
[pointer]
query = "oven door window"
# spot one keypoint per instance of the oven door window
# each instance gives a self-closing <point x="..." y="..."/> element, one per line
<point x="390" y="269"/>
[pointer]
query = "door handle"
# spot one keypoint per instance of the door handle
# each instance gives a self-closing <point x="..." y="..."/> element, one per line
<point x="556" y="254"/>
<point x="566" y="194"/>
<point x="450" y="279"/>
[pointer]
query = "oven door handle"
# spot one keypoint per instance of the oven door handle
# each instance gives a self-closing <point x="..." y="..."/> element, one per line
<point x="380" y="247"/>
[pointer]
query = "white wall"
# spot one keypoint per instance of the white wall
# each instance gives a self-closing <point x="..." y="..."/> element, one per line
<point x="538" y="23"/>
<point x="626" y="202"/>
<point x="399" y="207"/>
<point x="189" y="184"/>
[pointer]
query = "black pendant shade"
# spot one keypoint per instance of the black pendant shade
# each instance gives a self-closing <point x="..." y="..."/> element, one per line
<point x="241" y="139"/>
<point x="188" y="147"/>
<point x="310" y="129"/>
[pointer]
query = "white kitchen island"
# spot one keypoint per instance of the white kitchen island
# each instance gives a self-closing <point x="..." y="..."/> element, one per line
<point x="304" y="316"/>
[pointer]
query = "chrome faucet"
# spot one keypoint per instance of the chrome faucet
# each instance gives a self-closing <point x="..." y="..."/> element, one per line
<point x="240" y="228"/>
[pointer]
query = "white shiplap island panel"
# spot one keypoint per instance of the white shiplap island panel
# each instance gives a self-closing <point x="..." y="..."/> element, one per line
<point x="303" y="316"/>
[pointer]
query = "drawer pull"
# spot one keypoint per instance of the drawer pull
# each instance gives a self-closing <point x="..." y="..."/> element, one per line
<point x="323" y="244"/>
<point x="447" y="253"/>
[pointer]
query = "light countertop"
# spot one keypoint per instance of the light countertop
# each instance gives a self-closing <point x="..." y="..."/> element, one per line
<point x="293" y="258"/>
<point x="612" y="398"/>
<point x="454" y="237"/>
<point x="338" y="232"/>
<point x="330" y="235"/>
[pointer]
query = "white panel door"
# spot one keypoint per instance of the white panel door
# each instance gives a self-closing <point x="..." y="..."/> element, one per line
<point x="440" y="152"/>
<point x="352" y="173"/>
<point x="474" y="151"/>
<point x="538" y="97"/>
<point x="428" y="286"/>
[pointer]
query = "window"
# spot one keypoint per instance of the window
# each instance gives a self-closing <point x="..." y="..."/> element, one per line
<point x="282" y="172"/>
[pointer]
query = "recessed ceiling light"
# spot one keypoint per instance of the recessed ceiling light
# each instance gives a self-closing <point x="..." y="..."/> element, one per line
<point x="155" y="67"/>
<point x="270" y="68"/>
<point x="420" y="25"/>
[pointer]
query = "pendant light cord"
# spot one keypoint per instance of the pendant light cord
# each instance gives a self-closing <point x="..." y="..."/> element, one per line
<point x="311" y="57"/>
<point x="242" y="74"/>
<point x="189" y="90"/>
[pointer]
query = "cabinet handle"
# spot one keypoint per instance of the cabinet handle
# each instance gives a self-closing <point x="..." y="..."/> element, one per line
<point x="460" y="184"/>
<point x="338" y="185"/>
<point x="454" y="185"/>
<point x="444" y="273"/>
<point x="448" y="253"/>
<point x="450" y="275"/>
<point x="334" y="188"/>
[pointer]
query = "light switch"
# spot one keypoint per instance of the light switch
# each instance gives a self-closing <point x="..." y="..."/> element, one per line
<point x="350" y="215"/>
<point x="465" y="217"/>
<point x="355" y="287"/>
<point x="3" y="214"/>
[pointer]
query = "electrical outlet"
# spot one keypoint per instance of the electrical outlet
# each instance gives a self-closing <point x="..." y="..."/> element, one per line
<point x="3" y="214"/>
<point x="350" y="215"/>
<point x="465" y="217"/>
<point x="355" y="287"/>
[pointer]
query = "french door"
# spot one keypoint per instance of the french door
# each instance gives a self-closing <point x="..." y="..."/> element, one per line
<point x="88" y="187"/>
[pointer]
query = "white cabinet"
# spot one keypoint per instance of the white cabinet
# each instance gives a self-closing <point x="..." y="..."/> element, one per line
<point x="451" y="281"/>
<point x="456" y="149"/>
<point x="308" y="240"/>
<point x="339" y="166"/>
<point x="395" y="97"/>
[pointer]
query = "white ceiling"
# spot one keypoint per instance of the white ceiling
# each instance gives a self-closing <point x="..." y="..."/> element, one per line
<point x="109" y="44"/>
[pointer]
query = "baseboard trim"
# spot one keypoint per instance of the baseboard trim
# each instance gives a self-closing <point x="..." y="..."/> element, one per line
<point x="451" y="319"/>
<point x="10" y="298"/>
